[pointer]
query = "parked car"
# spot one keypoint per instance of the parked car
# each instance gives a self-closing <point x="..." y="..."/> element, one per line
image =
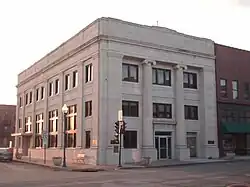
<point x="6" y="154"/>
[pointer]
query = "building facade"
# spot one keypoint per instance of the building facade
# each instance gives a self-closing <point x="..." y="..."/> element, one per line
<point x="233" y="99"/>
<point x="161" y="79"/>
<point x="7" y="124"/>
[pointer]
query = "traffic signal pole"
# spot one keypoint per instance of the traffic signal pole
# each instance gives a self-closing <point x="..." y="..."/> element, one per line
<point x="120" y="148"/>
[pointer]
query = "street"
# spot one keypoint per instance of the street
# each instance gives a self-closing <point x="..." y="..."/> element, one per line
<point x="208" y="175"/>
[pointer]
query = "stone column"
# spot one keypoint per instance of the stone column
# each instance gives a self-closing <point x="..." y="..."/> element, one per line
<point x="147" y="112"/>
<point x="208" y="115"/>
<point x="181" y="150"/>
<point x="80" y="130"/>
<point x="17" y="120"/>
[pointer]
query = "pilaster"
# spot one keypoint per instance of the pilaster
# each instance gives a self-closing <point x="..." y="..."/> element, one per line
<point x="17" y="119"/>
<point x="33" y="126"/>
<point x="209" y="138"/>
<point x="147" y="121"/>
<point x="182" y="152"/>
<point x="80" y="105"/>
<point x="46" y="112"/>
<point x="60" y="114"/>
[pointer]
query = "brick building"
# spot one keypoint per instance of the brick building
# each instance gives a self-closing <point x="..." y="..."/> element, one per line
<point x="233" y="99"/>
<point x="7" y="124"/>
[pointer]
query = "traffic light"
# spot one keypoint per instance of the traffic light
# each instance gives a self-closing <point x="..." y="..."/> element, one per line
<point x="123" y="127"/>
<point x="116" y="135"/>
<point x="117" y="127"/>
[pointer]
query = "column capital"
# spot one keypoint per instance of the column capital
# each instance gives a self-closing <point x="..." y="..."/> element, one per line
<point x="180" y="67"/>
<point x="149" y="62"/>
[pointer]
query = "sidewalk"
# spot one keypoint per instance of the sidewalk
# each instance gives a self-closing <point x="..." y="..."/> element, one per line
<point x="156" y="164"/>
<point x="77" y="167"/>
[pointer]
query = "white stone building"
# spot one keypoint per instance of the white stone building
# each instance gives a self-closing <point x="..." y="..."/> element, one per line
<point x="163" y="80"/>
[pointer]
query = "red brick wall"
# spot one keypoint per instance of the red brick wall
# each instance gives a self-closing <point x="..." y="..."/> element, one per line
<point x="7" y="124"/>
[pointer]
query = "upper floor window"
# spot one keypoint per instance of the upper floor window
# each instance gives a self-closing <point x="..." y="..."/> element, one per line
<point x="130" y="108"/>
<point x="19" y="123"/>
<point x="223" y="87"/>
<point x="235" y="89"/>
<point x="190" y="80"/>
<point x="51" y="88"/>
<point x="191" y="112"/>
<point x="37" y="94"/>
<point x="75" y="79"/>
<point x="31" y="97"/>
<point x="67" y="82"/>
<point x="57" y="86"/>
<point x="20" y="102"/>
<point x="161" y="77"/>
<point x="162" y="110"/>
<point x="88" y="108"/>
<point x="88" y="73"/>
<point x="26" y="98"/>
<point x="42" y="93"/>
<point x="247" y="91"/>
<point x="130" y="73"/>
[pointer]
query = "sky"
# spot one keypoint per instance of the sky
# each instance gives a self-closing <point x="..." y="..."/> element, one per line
<point x="30" y="29"/>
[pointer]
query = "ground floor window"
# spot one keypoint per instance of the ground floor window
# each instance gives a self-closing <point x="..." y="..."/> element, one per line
<point x="71" y="140"/>
<point x="130" y="140"/>
<point x="52" y="140"/>
<point x="38" y="141"/>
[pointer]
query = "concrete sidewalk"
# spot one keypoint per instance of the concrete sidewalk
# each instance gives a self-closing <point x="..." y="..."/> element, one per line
<point x="156" y="164"/>
<point x="77" y="167"/>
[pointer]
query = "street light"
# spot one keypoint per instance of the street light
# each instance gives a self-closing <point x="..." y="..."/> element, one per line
<point x="65" y="111"/>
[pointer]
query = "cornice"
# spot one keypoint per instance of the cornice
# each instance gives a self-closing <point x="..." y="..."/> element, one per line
<point x="61" y="59"/>
<point x="155" y="46"/>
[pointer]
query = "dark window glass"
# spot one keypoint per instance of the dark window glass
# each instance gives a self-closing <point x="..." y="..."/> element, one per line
<point x="190" y="80"/>
<point x="191" y="112"/>
<point x="130" y="108"/>
<point x="162" y="110"/>
<point x="88" y="108"/>
<point x="161" y="77"/>
<point x="88" y="139"/>
<point x="129" y="73"/>
<point x="130" y="140"/>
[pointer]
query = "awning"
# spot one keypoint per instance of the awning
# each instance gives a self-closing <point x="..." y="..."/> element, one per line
<point x="234" y="127"/>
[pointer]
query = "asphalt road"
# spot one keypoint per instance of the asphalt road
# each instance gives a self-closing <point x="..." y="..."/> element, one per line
<point x="209" y="175"/>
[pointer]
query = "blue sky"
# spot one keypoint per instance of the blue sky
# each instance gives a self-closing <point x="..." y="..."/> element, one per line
<point x="30" y="29"/>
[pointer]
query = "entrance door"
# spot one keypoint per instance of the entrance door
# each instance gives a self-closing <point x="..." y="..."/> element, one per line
<point x="191" y="144"/>
<point x="163" y="146"/>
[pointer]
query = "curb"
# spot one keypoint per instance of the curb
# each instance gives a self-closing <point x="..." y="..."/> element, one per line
<point x="57" y="168"/>
<point x="183" y="164"/>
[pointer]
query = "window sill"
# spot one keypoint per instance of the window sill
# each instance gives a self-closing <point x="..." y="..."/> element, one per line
<point x="191" y="119"/>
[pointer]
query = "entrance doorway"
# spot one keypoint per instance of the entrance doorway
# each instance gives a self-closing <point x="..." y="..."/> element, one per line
<point x="163" y="145"/>
<point x="192" y="143"/>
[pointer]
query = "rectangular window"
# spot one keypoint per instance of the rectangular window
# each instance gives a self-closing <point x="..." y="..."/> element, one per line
<point x="28" y="124"/>
<point x="190" y="80"/>
<point x="71" y="126"/>
<point x="52" y="140"/>
<point x="130" y="108"/>
<point x="42" y="93"/>
<point x="129" y="73"/>
<point x="88" y="73"/>
<point x="20" y="102"/>
<point x="30" y="97"/>
<point x="57" y="86"/>
<point x="235" y="89"/>
<point x="223" y="87"/>
<point x="191" y="112"/>
<point x="88" y="139"/>
<point x="51" y="89"/>
<point x="162" y="110"/>
<point x="75" y="79"/>
<point x="26" y="99"/>
<point x="19" y="123"/>
<point x="88" y="108"/>
<point x="37" y="94"/>
<point x="71" y="140"/>
<point x="130" y="140"/>
<point x="67" y="82"/>
<point x="161" y="77"/>
<point x="53" y="128"/>
<point x="38" y="130"/>
<point x="247" y="91"/>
